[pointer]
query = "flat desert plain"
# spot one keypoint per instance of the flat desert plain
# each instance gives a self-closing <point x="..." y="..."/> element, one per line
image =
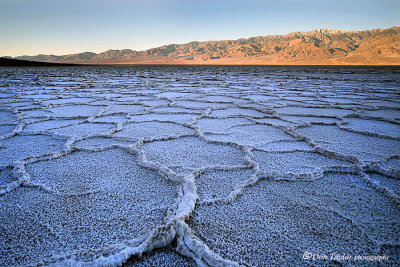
<point x="200" y="165"/>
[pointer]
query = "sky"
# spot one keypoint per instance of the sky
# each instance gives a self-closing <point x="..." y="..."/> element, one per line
<point x="59" y="27"/>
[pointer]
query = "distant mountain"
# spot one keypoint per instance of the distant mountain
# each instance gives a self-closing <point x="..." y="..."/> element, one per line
<point x="323" y="46"/>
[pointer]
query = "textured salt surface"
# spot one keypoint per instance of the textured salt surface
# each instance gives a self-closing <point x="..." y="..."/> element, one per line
<point x="294" y="162"/>
<point x="23" y="146"/>
<point x="192" y="153"/>
<point x="153" y="130"/>
<point x="5" y="129"/>
<point x="374" y="127"/>
<point x="221" y="125"/>
<point x="364" y="147"/>
<point x="219" y="183"/>
<point x="6" y="176"/>
<point x="206" y="166"/>
<point x="101" y="142"/>
<point x="252" y="135"/>
<point x="84" y="130"/>
<point x="97" y="205"/>
<point x="75" y="111"/>
<point x="49" y="124"/>
<point x="276" y="222"/>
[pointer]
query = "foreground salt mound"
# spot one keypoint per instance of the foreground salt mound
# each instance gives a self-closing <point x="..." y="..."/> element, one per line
<point x="91" y="204"/>
<point x="165" y="257"/>
<point x="276" y="222"/>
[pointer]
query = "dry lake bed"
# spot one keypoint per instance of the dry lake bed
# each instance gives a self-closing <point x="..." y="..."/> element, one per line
<point x="199" y="165"/>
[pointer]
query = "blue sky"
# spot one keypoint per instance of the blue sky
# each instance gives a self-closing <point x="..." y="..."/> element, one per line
<point x="30" y="27"/>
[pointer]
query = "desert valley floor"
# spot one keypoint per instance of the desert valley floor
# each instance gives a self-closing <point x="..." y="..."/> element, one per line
<point x="199" y="165"/>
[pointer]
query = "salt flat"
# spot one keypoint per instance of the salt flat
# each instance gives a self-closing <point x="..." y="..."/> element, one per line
<point x="253" y="166"/>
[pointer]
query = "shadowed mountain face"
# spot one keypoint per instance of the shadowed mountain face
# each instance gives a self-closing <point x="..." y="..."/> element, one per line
<point x="324" y="46"/>
<point x="10" y="62"/>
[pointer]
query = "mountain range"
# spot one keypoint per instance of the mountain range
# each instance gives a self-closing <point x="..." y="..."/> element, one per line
<point x="317" y="47"/>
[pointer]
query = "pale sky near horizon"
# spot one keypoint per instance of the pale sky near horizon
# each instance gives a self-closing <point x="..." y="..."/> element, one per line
<point x="31" y="27"/>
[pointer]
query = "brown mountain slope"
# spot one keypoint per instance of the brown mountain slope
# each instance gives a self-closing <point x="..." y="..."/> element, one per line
<point x="324" y="46"/>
